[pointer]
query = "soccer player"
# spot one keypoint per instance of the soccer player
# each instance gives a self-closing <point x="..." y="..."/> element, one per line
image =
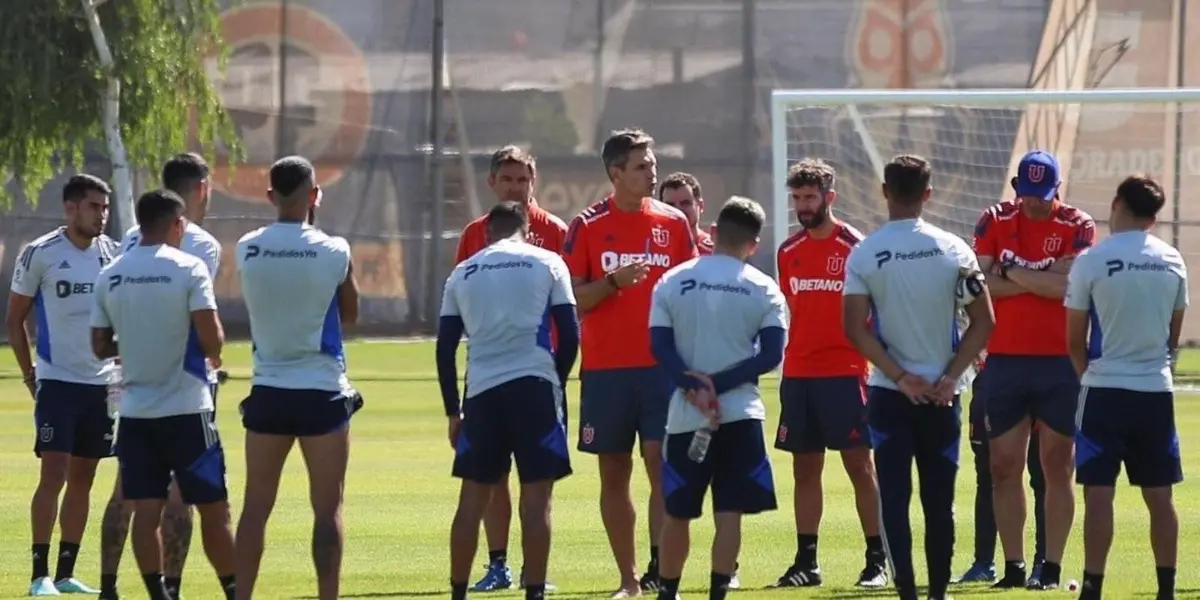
<point x="1025" y="246"/>
<point x="188" y="176"/>
<point x="503" y="298"/>
<point x="707" y="318"/>
<point x="159" y="302"/>
<point x="299" y="287"/>
<point x="911" y="279"/>
<point x="1132" y="287"/>
<point x="512" y="177"/>
<point x="616" y="250"/>
<point x="682" y="190"/>
<point x="822" y="395"/>
<point x="54" y="277"/>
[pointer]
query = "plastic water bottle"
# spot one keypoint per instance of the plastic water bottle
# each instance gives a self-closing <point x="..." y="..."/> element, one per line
<point x="116" y="387"/>
<point x="698" y="449"/>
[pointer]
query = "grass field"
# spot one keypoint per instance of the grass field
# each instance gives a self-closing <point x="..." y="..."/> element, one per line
<point x="400" y="499"/>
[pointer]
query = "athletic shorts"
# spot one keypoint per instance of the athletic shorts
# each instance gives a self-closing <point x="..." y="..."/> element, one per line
<point x="618" y="406"/>
<point x="820" y="413"/>
<point x="736" y="467"/>
<point x="72" y="418"/>
<point x="977" y="416"/>
<point x="149" y="451"/>
<point x="519" y="419"/>
<point x="1134" y="428"/>
<point x="297" y="413"/>
<point x="1044" y="388"/>
<point x="920" y="430"/>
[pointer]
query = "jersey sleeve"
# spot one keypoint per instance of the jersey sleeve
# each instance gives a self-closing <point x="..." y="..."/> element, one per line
<point x="200" y="289"/>
<point x="1181" y="297"/>
<point x="776" y="315"/>
<point x="966" y="258"/>
<point x="984" y="240"/>
<point x="28" y="272"/>
<point x="559" y="237"/>
<point x="211" y="255"/>
<point x="575" y="250"/>
<point x="1079" y="284"/>
<point x="99" y="318"/>
<point x="660" y="303"/>
<point x="561" y="291"/>
<point x="341" y="252"/>
<point x="856" y="282"/>
<point x="449" y="298"/>
<point x="685" y="246"/>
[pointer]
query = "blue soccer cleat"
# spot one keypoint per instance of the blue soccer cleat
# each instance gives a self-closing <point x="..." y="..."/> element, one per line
<point x="43" y="586"/>
<point x="70" y="585"/>
<point x="980" y="572"/>
<point x="497" y="577"/>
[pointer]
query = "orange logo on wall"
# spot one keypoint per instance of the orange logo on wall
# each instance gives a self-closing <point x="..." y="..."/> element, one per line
<point x="887" y="31"/>
<point x="327" y="95"/>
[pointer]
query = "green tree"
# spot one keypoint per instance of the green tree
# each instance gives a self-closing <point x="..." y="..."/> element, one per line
<point x="130" y="73"/>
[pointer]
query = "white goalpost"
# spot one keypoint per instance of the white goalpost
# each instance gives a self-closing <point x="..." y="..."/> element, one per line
<point x="974" y="139"/>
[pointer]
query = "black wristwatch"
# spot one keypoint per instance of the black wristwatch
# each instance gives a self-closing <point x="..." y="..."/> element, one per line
<point x="1004" y="267"/>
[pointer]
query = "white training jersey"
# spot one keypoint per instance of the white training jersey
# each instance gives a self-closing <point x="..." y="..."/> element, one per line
<point x="910" y="269"/>
<point x="503" y="294"/>
<point x="1131" y="284"/>
<point x="61" y="279"/>
<point x="197" y="241"/>
<point x="290" y="274"/>
<point x="716" y="306"/>
<point x="147" y="297"/>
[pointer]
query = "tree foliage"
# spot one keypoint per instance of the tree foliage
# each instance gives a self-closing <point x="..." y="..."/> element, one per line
<point x="52" y="84"/>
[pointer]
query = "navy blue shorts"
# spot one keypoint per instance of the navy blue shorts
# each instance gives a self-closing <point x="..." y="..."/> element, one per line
<point x="820" y="413"/>
<point x="736" y="467"/>
<point x="1123" y="426"/>
<point x="149" y="451"/>
<point x="72" y="418"/>
<point x="923" y="431"/>
<point x="619" y="406"/>
<point x="519" y="419"/>
<point x="1044" y="388"/>
<point x="297" y="413"/>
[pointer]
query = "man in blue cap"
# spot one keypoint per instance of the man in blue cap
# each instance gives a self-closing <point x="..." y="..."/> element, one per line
<point x="1026" y="247"/>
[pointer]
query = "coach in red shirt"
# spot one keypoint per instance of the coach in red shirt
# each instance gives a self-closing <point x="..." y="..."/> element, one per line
<point x="1027" y="246"/>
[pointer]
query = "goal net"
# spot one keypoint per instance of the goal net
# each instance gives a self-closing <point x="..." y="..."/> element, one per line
<point x="974" y="140"/>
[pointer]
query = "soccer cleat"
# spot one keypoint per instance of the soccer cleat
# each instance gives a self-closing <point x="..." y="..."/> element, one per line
<point x="70" y="585"/>
<point x="980" y="572"/>
<point x="43" y="586"/>
<point x="734" y="582"/>
<point x="649" y="581"/>
<point x="796" y="576"/>
<point x="497" y="577"/>
<point x="874" y="575"/>
<point x="1035" y="577"/>
<point x="550" y="587"/>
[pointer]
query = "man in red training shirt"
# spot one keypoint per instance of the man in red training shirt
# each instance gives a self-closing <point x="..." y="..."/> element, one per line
<point x="1027" y="246"/>
<point x="617" y="249"/>
<point x="682" y="190"/>
<point x="824" y="404"/>
<point x="512" y="176"/>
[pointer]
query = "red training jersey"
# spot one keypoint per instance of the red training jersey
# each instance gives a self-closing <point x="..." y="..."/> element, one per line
<point x="704" y="243"/>
<point x="811" y="274"/>
<point x="616" y="332"/>
<point x="1028" y="324"/>
<point x="545" y="231"/>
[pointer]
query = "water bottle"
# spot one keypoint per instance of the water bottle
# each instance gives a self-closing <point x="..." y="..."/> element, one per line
<point x="698" y="449"/>
<point x="116" y="387"/>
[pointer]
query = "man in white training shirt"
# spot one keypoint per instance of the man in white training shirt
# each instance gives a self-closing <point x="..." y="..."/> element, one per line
<point x="54" y="277"/>
<point x="188" y="176"/>
<point x="706" y="319"/>
<point x="504" y="298"/>
<point x="901" y="303"/>
<point x="1131" y="290"/>
<point x="158" y="301"/>
<point x="299" y="287"/>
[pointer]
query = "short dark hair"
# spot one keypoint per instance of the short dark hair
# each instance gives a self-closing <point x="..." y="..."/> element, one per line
<point x="513" y="155"/>
<point x="621" y="144"/>
<point x="290" y="174"/>
<point x="906" y="178"/>
<point x="1142" y="194"/>
<point x="506" y="219"/>
<point x="78" y="186"/>
<point x="811" y="171"/>
<point x="156" y="210"/>
<point x="678" y="180"/>
<point x="740" y="222"/>
<point x="183" y="171"/>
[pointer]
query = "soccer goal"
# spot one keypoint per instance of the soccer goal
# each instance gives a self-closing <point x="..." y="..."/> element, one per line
<point x="974" y="138"/>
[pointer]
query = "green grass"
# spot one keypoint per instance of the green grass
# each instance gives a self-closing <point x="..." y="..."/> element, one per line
<point x="400" y="499"/>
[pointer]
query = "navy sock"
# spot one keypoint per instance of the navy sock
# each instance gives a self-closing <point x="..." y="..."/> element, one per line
<point x="1166" y="581"/>
<point x="67" y="553"/>
<point x="458" y="591"/>
<point x="498" y="556"/>
<point x="806" y="551"/>
<point x="653" y="559"/>
<point x="228" y="585"/>
<point x="535" y="592"/>
<point x="108" y="583"/>
<point x="668" y="588"/>
<point x="41" y="561"/>
<point x="718" y="585"/>
<point x="155" y="586"/>
<point x="1093" y="584"/>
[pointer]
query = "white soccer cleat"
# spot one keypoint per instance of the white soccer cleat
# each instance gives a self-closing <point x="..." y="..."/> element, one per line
<point x="43" y="586"/>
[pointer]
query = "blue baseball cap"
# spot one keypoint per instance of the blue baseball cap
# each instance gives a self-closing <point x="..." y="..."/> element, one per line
<point x="1038" y="175"/>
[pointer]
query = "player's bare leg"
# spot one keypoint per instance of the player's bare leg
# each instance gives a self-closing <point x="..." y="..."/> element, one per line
<point x="326" y="457"/>
<point x="114" y="530"/>
<point x="620" y="518"/>
<point x="147" y="545"/>
<point x="1009" y="452"/>
<point x="216" y="534"/>
<point x="653" y="460"/>
<point x="1097" y="536"/>
<point x="1164" y="536"/>
<point x="1058" y="466"/>
<point x="177" y="539"/>
<point x="473" y="501"/>
<point x="861" y="471"/>
<point x="73" y="515"/>
<point x="727" y="544"/>
<point x="265" y="457"/>
<point x="497" y="519"/>
<point x="535" y="534"/>
<point x="673" y="553"/>
<point x="43" y="508"/>
<point x="808" y="506"/>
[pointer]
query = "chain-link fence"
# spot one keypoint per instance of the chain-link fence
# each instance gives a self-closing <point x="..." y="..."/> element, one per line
<point x="349" y="83"/>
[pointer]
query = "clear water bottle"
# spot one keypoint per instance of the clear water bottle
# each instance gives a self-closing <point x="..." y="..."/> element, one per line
<point x="698" y="449"/>
<point x="116" y="387"/>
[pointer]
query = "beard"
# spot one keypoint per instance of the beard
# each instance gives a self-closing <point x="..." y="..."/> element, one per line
<point x="814" y="219"/>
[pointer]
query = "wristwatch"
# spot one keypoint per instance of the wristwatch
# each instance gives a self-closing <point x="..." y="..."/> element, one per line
<point x="1004" y="267"/>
